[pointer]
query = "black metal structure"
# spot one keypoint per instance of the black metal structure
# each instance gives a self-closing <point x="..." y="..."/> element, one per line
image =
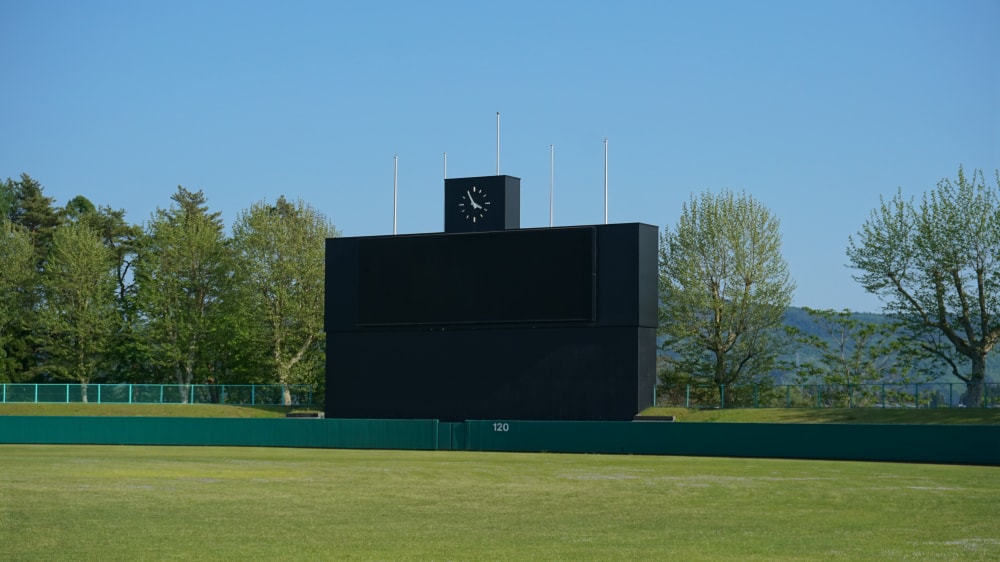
<point x="495" y="323"/>
<point x="482" y="203"/>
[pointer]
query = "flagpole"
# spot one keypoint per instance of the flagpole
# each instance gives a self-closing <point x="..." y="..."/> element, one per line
<point x="605" y="181"/>
<point x="552" y="188"/>
<point x="498" y="143"/>
<point x="445" y="165"/>
<point x="395" y="190"/>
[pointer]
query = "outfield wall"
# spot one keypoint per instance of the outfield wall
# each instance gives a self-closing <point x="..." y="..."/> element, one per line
<point x="952" y="444"/>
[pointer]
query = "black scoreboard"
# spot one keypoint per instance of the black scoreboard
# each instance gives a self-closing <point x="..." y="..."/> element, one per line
<point x="529" y="324"/>
<point x="478" y="278"/>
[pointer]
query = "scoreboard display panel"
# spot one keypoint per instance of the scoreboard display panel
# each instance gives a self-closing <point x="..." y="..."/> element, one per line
<point x="527" y="324"/>
<point x="524" y="276"/>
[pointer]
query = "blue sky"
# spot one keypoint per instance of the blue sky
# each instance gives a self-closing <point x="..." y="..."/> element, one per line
<point x="814" y="108"/>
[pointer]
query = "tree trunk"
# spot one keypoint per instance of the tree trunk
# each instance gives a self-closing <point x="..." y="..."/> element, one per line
<point x="284" y="369"/>
<point x="184" y="376"/>
<point x="720" y="378"/>
<point x="83" y="391"/>
<point x="975" y="386"/>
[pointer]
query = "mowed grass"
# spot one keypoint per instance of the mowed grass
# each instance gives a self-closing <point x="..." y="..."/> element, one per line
<point x="210" y="503"/>
<point x="940" y="416"/>
<point x="144" y="410"/>
<point x="981" y="416"/>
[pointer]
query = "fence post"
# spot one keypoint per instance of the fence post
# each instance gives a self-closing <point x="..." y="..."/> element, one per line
<point x="687" y="395"/>
<point x="916" y="396"/>
<point x="722" y="397"/>
<point x="253" y="394"/>
<point x="950" y="394"/>
<point x="850" y="397"/>
<point x="883" y="395"/>
<point x="5" y="393"/>
<point x="67" y="393"/>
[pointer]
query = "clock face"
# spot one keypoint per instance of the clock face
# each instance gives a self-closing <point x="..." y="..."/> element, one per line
<point x="481" y="204"/>
<point x="474" y="204"/>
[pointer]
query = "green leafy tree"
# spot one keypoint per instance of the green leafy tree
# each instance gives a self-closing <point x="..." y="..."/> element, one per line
<point x="17" y="274"/>
<point x="182" y="271"/>
<point x="121" y="239"/>
<point x="79" y="207"/>
<point x="77" y="316"/>
<point x="280" y="253"/>
<point x="115" y="232"/>
<point x="8" y="198"/>
<point x="854" y="354"/>
<point x="29" y="208"/>
<point x="724" y="287"/>
<point x="35" y="212"/>
<point x="935" y="266"/>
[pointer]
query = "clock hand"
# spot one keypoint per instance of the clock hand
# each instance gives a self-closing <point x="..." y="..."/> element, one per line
<point x="473" y="201"/>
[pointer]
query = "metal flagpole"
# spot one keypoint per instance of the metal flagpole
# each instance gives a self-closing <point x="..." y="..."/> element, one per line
<point x="498" y="143"/>
<point x="605" y="181"/>
<point x="445" y="165"/>
<point x="395" y="191"/>
<point x="552" y="188"/>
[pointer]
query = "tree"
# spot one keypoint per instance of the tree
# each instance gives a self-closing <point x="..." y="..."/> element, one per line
<point x="854" y="353"/>
<point x="8" y="198"/>
<point x="34" y="211"/>
<point x="77" y="316"/>
<point x="17" y="274"/>
<point x="724" y="287"/>
<point x="28" y="208"/>
<point x="935" y="266"/>
<point x="280" y="252"/>
<point x="120" y="238"/>
<point x="79" y="207"/>
<point x="182" y="270"/>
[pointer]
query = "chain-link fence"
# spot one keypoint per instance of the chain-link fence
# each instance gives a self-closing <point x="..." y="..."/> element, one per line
<point x="232" y="394"/>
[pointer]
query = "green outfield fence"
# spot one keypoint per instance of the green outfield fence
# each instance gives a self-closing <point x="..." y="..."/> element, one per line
<point x="888" y="395"/>
<point x="952" y="444"/>
<point x="232" y="394"/>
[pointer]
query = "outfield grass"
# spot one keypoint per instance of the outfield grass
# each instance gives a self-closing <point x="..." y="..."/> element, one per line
<point x="208" y="503"/>
<point x="153" y="410"/>
<point x="984" y="416"/>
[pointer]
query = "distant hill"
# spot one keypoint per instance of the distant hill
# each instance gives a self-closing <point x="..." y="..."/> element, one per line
<point x="800" y="319"/>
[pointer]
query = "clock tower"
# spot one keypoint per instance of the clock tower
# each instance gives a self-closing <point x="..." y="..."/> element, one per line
<point x="482" y="204"/>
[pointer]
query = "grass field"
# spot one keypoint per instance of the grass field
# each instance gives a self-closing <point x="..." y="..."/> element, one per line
<point x="982" y="416"/>
<point x="152" y="410"/>
<point x="208" y="503"/>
